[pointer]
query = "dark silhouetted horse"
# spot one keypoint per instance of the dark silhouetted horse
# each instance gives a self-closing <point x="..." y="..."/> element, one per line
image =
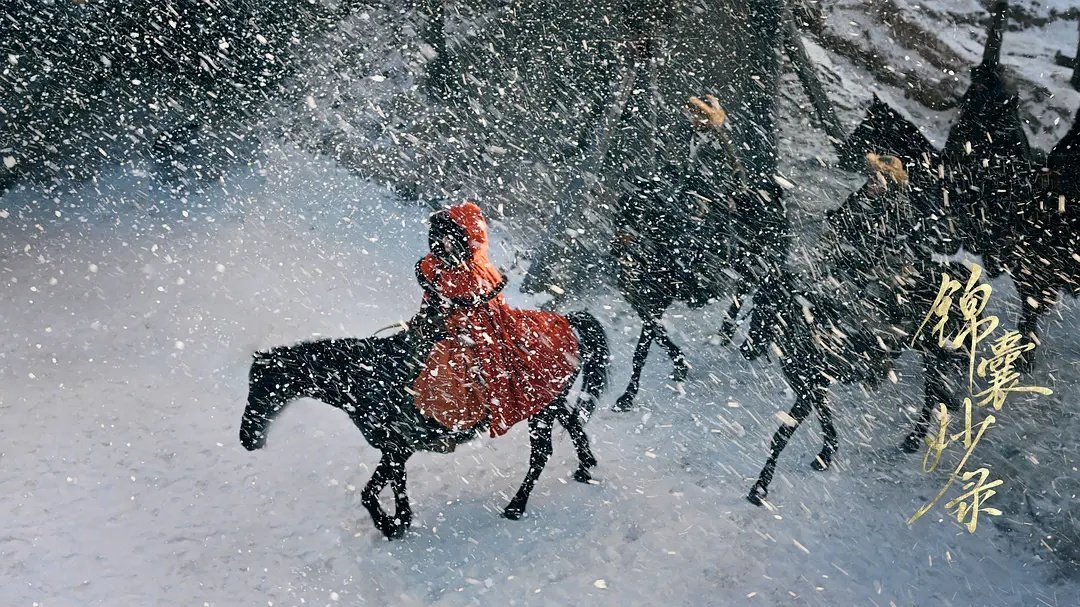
<point x="1048" y="263"/>
<point x="661" y="259"/>
<point x="854" y="320"/>
<point x="984" y="192"/>
<point x="988" y="162"/>
<point x="695" y="232"/>
<point x="997" y="199"/>
<point x="371" y="379"/>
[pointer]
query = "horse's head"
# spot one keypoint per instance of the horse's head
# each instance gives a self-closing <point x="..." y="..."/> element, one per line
<point x="256" y="420"/>
<point x="988" y="91"/>
<point x="864" y="139"/>
<point x="989" y="126"/>
<point x="1064" y="161"/>
<point x="265" y="392"/>
<point x="883" y="131"/>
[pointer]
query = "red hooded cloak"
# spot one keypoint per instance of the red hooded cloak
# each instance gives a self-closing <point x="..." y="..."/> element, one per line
<point x="498" y="363"/>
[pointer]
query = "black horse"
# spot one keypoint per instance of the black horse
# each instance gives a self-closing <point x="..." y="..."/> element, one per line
<point x="989" y="163"/>
<point x="1002" y="208"/>
<point x="1046" y="259"/>
<point x="695" y="267"/>
<point x="984" y="191"/>
<point x="850" y="328"/>
<point x="370" y="379"/>
<point x="697" y="233"/>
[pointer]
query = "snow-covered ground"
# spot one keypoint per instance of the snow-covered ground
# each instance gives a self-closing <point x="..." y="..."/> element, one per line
<point x="129" y="316"/>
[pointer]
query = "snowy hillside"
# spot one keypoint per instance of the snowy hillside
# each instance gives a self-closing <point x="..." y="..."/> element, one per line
<point x="130" y="308"/>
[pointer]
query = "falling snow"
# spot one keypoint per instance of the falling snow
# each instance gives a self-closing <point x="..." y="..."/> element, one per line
<point x="186" y="183"/>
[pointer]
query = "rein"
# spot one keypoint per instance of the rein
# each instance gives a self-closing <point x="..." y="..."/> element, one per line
<point x="399" y="323"/>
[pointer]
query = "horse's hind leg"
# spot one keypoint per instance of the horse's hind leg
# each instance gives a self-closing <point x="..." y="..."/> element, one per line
<point x="803" y="404"/>
<point x="728" y="327"/>
<point x="540" y="442"/>
<point x="391" y="469"/>
<point x="828" y="450"/>
<point x="370" y="495"/>
<point x="641" y="352"/>
<point x="572" y="422"/>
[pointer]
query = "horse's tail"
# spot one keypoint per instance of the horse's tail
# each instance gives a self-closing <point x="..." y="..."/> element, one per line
<point x="595" y="357"/>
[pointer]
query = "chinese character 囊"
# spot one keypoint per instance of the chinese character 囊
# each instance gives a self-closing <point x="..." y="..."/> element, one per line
<point x="1000" y="373"/>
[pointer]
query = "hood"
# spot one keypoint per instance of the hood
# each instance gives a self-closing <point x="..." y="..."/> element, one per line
<point x="471" y="219"/>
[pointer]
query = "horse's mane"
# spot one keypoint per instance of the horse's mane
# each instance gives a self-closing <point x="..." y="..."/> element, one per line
<point x="328" y="348"/>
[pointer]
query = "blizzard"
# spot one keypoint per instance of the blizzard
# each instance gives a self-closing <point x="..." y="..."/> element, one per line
<point x="130" y="310"/>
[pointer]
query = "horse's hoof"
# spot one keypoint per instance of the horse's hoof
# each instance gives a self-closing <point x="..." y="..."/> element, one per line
<point x="720" y="340"/>
<point x="727" y="332"/>
<point x="582" y="475"/>
<point x="385" y="527"/>
<point x="512" y="513"/>
<point x="395" y="531"/>
<point x="682" y="369"/>
<point x="822" y="462"/>
<point x="624" y="403"/>
<point x="757" y="495"/>
<point x="911" y="444"/>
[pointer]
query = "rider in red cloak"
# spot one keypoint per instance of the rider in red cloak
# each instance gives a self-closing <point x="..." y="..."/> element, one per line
<point x="497" y="363"/>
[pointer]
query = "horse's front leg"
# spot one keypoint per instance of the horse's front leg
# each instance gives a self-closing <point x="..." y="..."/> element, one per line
<point x="540" y="443"/>
<point x="1032" y="303"/>
<point x="682" y="368"/>
<point x="571" y="420"/>
<point x="402" y="509"/>
<point x="935" y="392"/>
<point x="824" y="459"/>
<point x="762" y="322"/>
<point x="641" y="353"/>
<point x="391" y="469"/>
<point x="730" y="324"/>
<point x="803" y="404"/>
